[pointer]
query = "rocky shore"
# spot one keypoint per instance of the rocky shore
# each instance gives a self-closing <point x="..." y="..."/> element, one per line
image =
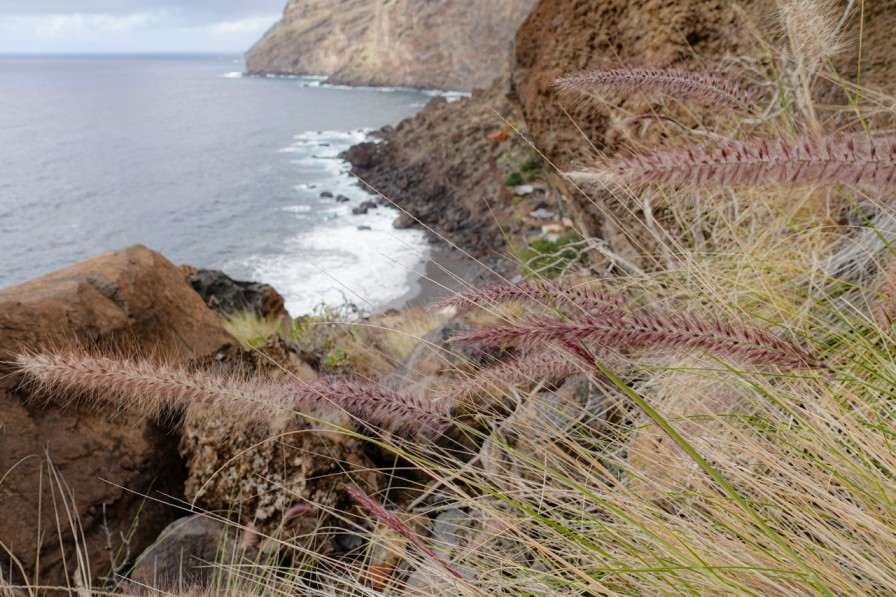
<point x="447" y="169"/>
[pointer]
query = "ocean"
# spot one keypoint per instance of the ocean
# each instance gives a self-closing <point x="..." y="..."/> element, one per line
<point x="189" y="158"/>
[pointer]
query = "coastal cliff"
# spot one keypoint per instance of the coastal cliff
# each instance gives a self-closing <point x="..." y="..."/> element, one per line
<point x="443" y="44"/>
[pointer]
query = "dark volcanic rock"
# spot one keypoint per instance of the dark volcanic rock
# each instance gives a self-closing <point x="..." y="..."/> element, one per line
<point x="364" y="207"/>
<point x="226" y="295"/>
<point x="362" y="155"/>
<point x="442" y="167"/>
<point x="184" y="551"/>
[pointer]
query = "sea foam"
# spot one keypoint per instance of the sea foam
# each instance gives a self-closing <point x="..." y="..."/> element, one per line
<point x="335" y="256"/>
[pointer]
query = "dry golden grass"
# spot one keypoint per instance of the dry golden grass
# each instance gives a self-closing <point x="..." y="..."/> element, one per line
<point x="683" y="472"/>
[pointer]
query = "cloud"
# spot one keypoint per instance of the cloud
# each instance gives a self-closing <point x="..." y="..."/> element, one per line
<point x="78" y="24"/>
<point x="175" y="29"/>
<point x="190" y="11"/>
<point x="254" y="25"/>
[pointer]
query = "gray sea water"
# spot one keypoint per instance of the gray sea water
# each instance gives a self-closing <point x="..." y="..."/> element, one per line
<point x="210" y="168"/>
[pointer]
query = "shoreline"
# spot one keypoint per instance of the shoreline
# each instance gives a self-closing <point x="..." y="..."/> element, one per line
<point x="445" y="270"/>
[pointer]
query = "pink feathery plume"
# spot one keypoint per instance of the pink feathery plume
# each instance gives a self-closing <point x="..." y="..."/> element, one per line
<point x="707" y="88"/>
<point x="854" y="159"/>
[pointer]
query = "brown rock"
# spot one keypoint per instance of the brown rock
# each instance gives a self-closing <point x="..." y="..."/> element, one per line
<point x="232" y="468"/>
<point x="405" y="220"/>
<point x="561" y="36"/>
<point x="435" y="359"/>
<point x="438" y="44"/>
<point x="130" y="301"/>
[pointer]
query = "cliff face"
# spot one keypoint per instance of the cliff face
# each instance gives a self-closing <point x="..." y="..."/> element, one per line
<point x="562" y="36"/>
<point x="437" y="44"/>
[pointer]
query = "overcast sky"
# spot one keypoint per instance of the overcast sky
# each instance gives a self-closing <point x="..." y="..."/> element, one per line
<point x="86" y="26"/>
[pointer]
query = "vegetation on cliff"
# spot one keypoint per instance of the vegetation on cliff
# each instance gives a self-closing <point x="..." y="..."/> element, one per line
<point x="719" y="422"/>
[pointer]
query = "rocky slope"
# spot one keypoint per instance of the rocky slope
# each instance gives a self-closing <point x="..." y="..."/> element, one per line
<point x="439" y="44"/>
<point x="562" y="36"/>
<point x="446" y="167"/>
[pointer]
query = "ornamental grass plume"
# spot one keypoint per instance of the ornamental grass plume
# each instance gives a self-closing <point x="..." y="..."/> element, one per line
<point x="546" y="293"/>
<point x="813" y="33"/>
<point x="618" y="331"/>
<point x="852" y="159"/>
<point x="390" y="520"/>
<point x="708" y="88"/>
<point x="548" y="366"/>
<point x="155" y="389"/>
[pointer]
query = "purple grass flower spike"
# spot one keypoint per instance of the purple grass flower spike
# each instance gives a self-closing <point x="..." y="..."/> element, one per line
<point x="853" y="159"/>
<point x="708" y="88"/>
<point x="153" y="389"/>
<point x="390" y="520"/>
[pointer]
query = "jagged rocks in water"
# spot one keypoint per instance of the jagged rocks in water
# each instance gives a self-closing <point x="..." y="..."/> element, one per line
<point x="226" y="295"/>
<point x="364" y="208"/>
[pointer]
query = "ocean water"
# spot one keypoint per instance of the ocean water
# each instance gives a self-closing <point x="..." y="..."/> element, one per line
<point x="209" y="168"/>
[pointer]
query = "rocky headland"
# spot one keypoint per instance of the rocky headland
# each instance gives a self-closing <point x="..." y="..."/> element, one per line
<point x="445" y="44"/>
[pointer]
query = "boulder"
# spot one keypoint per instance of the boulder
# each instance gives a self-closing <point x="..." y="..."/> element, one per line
<point x="182" y="554"/>
<point x="434" y="360"/>
<point x="83" y="466"/>
<point x="364" y="207"/>
<point x="226" y="295"/>
<point x="362" y="155"/>
<point x="405" y="220"/>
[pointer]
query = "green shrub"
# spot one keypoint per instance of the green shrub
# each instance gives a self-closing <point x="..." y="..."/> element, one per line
<point x="513" y="179"/>
<point x="551" y="258"/>
<point x="337" y="359"/>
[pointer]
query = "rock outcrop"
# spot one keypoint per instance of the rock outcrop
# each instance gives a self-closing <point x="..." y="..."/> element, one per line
<point x="226" y="295"/>
<point x="563" y="36"/>
<point x="85" y="467"/>
<point x="438" y="44"/>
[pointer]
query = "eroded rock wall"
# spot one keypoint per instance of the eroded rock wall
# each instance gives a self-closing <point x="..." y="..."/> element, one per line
<point x="563" y="36"/>
<point x="437" y="44"/>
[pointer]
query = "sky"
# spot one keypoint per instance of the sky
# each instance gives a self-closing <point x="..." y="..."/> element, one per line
<point x="122" y="26"/>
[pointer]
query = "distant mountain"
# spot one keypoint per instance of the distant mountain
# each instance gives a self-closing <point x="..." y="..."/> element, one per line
<point x="432" y="44"/>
